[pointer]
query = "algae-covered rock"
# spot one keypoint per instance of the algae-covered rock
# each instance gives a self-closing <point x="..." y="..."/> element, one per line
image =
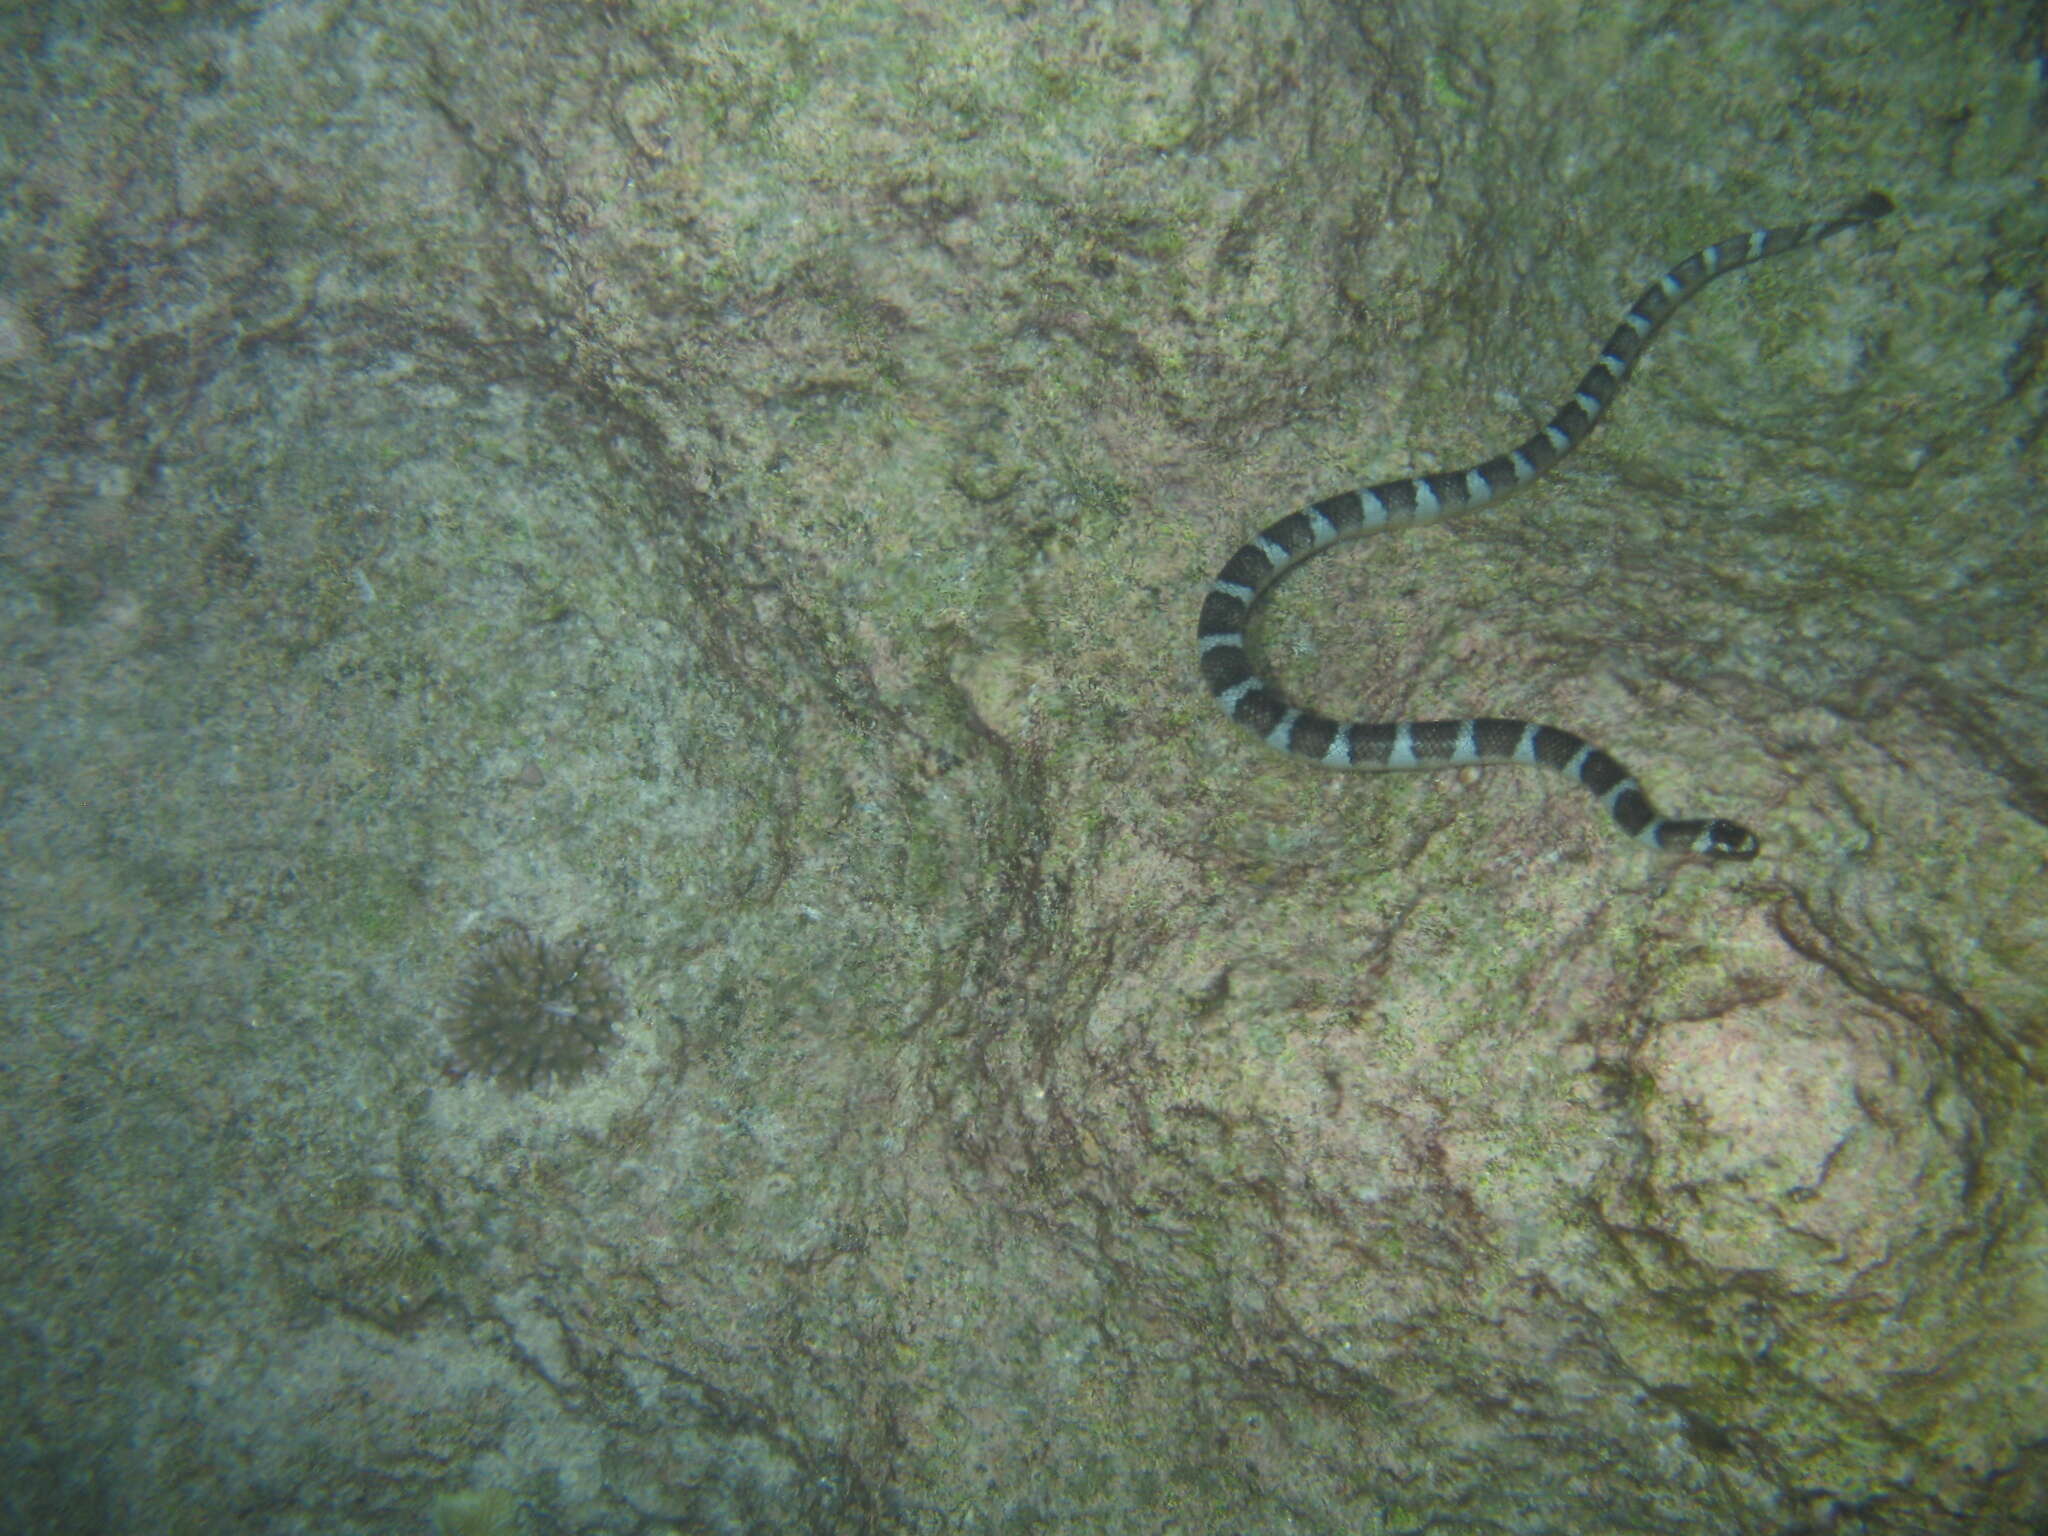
<point x="734" y="484"/>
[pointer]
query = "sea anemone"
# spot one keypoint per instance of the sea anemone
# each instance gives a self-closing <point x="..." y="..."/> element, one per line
<point x="533" y="1012"/>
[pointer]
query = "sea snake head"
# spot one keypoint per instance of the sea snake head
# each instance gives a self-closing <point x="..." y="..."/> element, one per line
<point x="1725" y="840"/>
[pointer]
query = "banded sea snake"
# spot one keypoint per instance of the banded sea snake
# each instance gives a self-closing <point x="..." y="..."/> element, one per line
<point x="1426" y="744"/>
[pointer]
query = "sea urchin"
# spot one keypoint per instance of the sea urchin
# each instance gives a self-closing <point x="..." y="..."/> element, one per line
<point x="533" y="1012"/>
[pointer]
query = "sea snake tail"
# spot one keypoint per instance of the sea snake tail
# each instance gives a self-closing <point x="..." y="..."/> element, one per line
<point x="1420" y="744"/>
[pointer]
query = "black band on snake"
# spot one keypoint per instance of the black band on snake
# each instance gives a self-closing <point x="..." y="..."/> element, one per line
<point x="1421" y="744"/>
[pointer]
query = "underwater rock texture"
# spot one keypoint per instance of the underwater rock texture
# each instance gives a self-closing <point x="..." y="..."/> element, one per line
<point x="737" y="480"/>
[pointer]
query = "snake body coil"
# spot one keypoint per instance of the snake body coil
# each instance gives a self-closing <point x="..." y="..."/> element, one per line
<point x="1421" y="744"/>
